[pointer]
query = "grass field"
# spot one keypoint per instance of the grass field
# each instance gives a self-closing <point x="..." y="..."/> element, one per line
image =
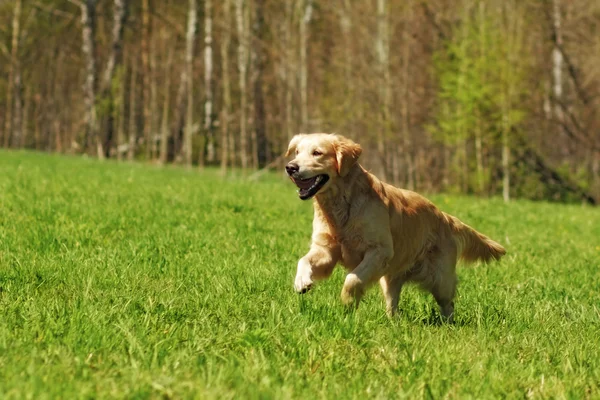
<point x="131" y="281"/>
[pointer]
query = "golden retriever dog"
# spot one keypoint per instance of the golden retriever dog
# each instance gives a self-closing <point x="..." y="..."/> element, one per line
<point x="376" y="231"/>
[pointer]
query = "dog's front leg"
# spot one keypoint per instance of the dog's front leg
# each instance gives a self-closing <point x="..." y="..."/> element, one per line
<point x="370" y="269"/>
<point x="317" y="264"/>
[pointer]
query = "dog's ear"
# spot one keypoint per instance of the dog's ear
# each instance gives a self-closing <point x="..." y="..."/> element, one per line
<point x="347" y="153"/>
<point x="293" y="143"/>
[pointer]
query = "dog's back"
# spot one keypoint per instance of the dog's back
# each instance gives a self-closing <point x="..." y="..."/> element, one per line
<point x="421" y="231"/>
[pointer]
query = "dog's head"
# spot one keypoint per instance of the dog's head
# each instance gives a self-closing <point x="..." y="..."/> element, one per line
<point x="320" y="159"/>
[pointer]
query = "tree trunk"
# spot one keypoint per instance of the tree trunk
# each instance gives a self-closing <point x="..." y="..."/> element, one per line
<point x="304" y="24"/>
<point x="289" y="70"/>
<point x="557" y="65"/>
<point x="88" y="20"/>
<point x="505" y="162"/>
<point x="154" y="113"/>
<point x="13" y="73"/>
<point x="383" y="71"/>
<point x="260" y="124"/>
<point x="346" y="28"/>
<point x="227" y="147"/>
<point x="164" y="140"/>
<point x="208" y="92"/>
<point x="26" y="111"/>
<point x="189" y="63"/>
<point x="17" y="133"/>
<point x="122" y="109"/>
<point x="242" y="66"/>
<point x="146" y="75"/>
<point x="479" y="116"/>
<point x="407" y="101"/>
<point x="114" y="62"/>
<point x="132" y="110"/>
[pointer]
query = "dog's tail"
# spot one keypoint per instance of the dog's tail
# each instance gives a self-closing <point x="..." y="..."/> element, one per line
<point x="472" y="245"/>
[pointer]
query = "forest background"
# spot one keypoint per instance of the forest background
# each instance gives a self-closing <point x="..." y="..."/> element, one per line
<point x="494" y="98"/>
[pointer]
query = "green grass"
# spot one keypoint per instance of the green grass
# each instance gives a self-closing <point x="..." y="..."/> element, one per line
<point x="131" y="281"/>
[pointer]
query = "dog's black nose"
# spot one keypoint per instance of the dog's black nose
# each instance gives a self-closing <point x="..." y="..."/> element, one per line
<point x="291" y="168"/>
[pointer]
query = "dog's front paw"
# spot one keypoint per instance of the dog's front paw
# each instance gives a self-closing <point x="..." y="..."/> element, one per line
<point x="302" y="284"/>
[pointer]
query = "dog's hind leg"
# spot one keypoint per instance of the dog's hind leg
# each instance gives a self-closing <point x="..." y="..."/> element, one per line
<point x="444" y="285"/>
<point x="391" y="288"/>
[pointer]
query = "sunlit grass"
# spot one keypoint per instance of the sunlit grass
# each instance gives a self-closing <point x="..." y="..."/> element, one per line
<point x="133" y="281"/>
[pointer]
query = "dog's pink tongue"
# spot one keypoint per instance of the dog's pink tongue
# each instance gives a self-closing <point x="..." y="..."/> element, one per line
<point x="304" y="184"/>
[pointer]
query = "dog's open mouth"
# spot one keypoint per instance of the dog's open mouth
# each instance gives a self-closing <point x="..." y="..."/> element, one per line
<point x="309" y="187"/>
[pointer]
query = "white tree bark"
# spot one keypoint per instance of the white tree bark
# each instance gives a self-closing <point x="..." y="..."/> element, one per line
<point x="164" y="131"/>
<point x="289" y="70"/>
<point x="146" y="78"/>
<point x="208" y="67"/>
<point x="242" y="66"/>
<point x="382" y="49"/>
<point x="14" y="76"/>
<point x="114" y="59"/>
<point x="189" y="62"/>
<point x="345" y="15"/>
<point x="88" y="9"/>
<point x="227" y="145"/>
<point x="132" y="110"/>
<point x="408" y="151"/>
<point x="304" y="25"/>
<point x="114" y="56"/>
<point x="557" y="67"/>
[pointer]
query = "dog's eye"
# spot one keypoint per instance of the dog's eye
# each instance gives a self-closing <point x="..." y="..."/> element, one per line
<point x="317" y="153"/>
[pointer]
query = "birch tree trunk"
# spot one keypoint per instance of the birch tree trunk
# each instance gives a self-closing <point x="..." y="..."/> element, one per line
<point x="154" y="112"/>
<point x="382" y="48"/>
<point x="164" y="139"/>
<point x="557" y="66"/>
<point x="260" y="62"/>
<point x="17" y="132"/>
<point x="189" y="63"/>
<point x="88" y="17"/>
<point x="346" y="27"/>
<point x="114" y="61"/>
<point x="479" y="128"/>
<point x="132" y="110"/>
<point x="227" y="145"/>
<point x="407" y="101"/>
<point x="289" y="70"/>
<point x="122" y="109"/>
<point x="13" y="73"/>
<point x="146" y="74"/>
<point x="208" y="93"/>
<point x="242" y="66"/>
<point x="304" y="24"/>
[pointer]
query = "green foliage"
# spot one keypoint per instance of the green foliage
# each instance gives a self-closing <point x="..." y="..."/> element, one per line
<point x="475" y="72"/>
<point x="127" y="281"/>
<point x="482" y="79"/>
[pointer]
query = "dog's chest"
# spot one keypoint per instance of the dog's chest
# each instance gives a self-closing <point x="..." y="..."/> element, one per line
<point x="343" y="221"/>
<point x="353" y="246"/>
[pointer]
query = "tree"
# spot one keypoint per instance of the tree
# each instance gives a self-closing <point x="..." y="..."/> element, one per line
<point x="189" y="63"/>
<point x="227" y="145"/>
<point x="14" y="79"/>
<point x="259" y="66"/>
<point x="208" y="96"/>
<point x="114" y="63"/>
<point x="242" y="28"/>
<point x="306" y="13"/>
<point x="88" y="22"/>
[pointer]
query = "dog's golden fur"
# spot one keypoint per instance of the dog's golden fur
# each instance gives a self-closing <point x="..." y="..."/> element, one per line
<point x="377" y="231"/>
